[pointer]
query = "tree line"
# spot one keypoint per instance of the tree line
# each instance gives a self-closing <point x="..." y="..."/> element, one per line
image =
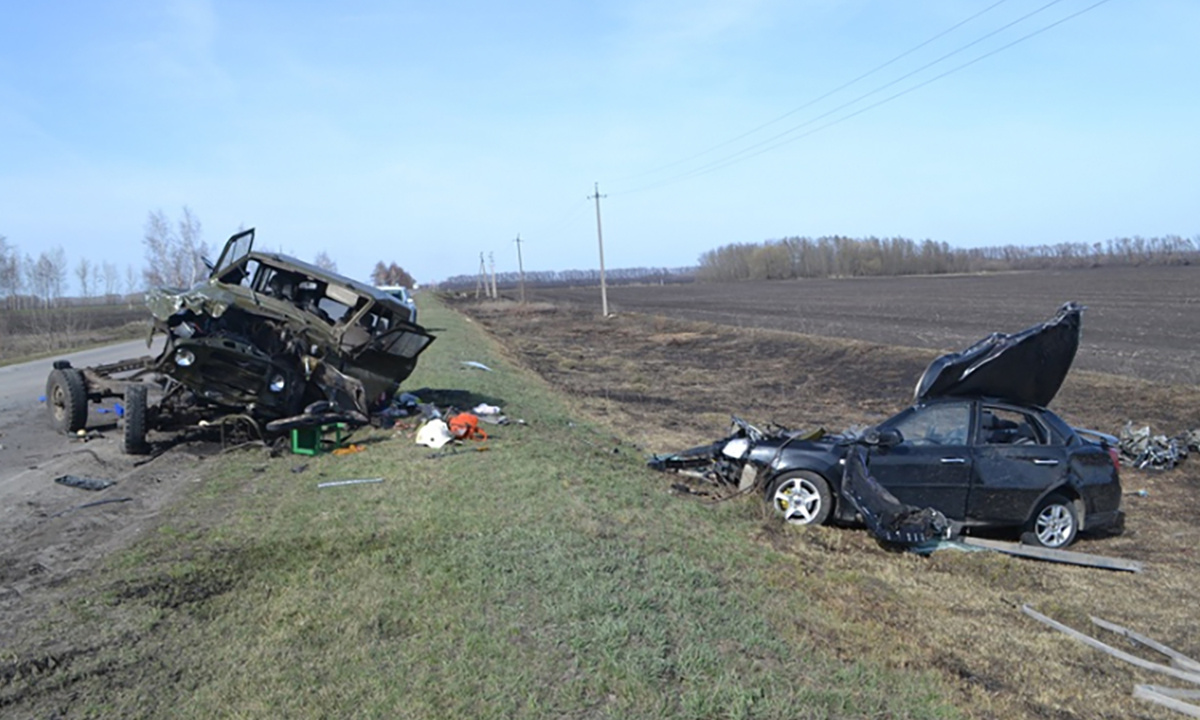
<point x="39" y="288"/>
<point x="838" y="256"/>
<point x="567" y="278"/>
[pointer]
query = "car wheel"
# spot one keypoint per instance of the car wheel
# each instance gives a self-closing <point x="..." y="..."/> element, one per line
<point x="801" y="497"/>
<point x="1054" y="525"/>
<point x="66" y="398"/>
<point x="135" y="420"/>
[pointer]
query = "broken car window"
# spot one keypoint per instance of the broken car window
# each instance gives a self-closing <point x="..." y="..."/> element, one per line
<point x="1002" y="426"/>
<point x="940" y="424"/>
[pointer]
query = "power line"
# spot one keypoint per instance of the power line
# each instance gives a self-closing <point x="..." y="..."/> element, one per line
<point x="771" y="142"/>
<point x="733" y="160"/>
<point x="819" y="98"/>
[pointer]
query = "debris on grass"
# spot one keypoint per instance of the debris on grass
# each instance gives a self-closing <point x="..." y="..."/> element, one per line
<point x="84" y="483"/>
<point x="1182" y="667"/>
<point x="106" y="501"/>
<point x="1143" y="449"/>
<point x="356" y="481"/>
<point x="476" y="365"/>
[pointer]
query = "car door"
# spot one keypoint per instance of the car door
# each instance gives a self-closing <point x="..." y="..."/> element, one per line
<point x="1016" y="458"/>
<point x="931" y="467"/>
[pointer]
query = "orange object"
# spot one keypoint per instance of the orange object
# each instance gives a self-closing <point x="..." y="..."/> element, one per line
<point x="349" y="450"/>
<point x="465" y="426"/>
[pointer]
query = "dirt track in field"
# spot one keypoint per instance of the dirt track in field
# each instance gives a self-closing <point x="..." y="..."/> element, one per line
<point x="1141" y="322"/>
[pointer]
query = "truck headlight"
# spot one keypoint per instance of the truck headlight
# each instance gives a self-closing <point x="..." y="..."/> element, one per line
<point x="277" y="384"/>
<point x="184" y="357"/>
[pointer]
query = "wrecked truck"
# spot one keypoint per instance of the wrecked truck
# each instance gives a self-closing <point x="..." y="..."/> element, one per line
<point x="267" y="343"/>
<point x="977" y="449"/>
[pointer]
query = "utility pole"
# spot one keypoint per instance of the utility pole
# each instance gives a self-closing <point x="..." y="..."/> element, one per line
<point x="520" y="267"/>
<point x="481" y="281"/>
<point x="492" y="260"/>
<point x="600" y="238"/>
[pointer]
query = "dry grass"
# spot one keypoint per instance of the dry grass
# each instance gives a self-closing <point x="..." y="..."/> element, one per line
<point x="666" y="384"/>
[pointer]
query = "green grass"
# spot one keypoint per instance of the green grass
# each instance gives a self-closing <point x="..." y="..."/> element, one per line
<point x="551" y="576"/>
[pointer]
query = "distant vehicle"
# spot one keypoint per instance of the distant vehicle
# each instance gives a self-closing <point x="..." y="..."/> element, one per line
<point x="268" y="341"/>
<point x="404" y="295"/>
<point x="977" y="449"/>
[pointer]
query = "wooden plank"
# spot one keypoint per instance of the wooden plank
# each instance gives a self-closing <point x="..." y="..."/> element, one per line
<point x="1155" y="695"/>
<point x="1062" y="556"/>
<point x="1109" y="649"/>
<point x="1175" y="692"/>
<point x="1178" y="659"/>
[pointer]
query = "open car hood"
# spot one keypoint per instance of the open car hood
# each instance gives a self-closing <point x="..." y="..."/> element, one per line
<point x="1026" y="368"/>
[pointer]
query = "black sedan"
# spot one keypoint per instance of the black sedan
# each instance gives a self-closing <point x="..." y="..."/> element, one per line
<point x="979" y="462"/>
<point x="978" y="448"/>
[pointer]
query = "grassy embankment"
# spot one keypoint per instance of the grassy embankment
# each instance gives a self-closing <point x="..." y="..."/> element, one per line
<point x="551" y="576"/>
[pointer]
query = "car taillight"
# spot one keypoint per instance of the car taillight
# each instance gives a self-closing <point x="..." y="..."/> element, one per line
<point x="1115" y="454"/>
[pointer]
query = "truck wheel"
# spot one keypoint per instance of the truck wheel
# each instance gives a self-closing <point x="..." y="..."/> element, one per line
<point x="135" y="420"/>
<point x="66" y="398"/>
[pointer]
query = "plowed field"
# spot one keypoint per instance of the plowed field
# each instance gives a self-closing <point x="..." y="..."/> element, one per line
<point x="1141" y="322"/>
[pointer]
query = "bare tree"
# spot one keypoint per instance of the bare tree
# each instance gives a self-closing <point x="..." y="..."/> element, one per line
<point x="10" y="272"/>
<point x="83" y="271"/>
<point x="174" y="257"/>
<point x="323" y="261"/>
<point x="112" y="279"/>
<point x="47" y="275"/>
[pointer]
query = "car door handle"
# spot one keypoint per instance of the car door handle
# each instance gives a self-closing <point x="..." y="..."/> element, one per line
<point x="953" y="461"/>
<point x="1044" y="461"/>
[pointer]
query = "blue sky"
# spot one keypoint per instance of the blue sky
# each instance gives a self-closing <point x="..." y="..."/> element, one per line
<point x="426" y="133"/>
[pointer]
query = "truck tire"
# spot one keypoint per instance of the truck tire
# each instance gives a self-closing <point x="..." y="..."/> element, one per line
<point x="135" y="420"/>
<point x="66" y="398"/>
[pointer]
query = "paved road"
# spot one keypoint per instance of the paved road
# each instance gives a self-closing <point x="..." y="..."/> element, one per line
<point x="21" y="385"/>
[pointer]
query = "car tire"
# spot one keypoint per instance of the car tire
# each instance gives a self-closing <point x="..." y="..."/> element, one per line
<point x="801" y="497"/>
<point x="66" y="398"/>
<point x="135" y="420"/>
<point x="1055" y="523"/>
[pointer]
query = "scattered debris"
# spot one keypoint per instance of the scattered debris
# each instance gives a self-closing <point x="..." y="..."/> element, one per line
<point x="1069" y="557"/>
<point x="476" y="365"/>
<point x="465" y="426"/>
<point x="1167" y="697"/>
<point x="106" y="501"/>
<point x="1143" y="449"/>
<point x="84" y="483"/>
<point x="434" y="434"/>
<point x="350" y="449"/>
<point x="339" y="483"/>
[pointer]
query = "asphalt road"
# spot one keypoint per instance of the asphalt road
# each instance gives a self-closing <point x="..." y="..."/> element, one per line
<point x="22" y="384"/>
<point x="26" y="438"/>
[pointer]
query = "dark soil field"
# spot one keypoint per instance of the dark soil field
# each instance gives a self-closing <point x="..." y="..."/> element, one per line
<point x="1141" y="322"/>
<point x="674" y="362"/>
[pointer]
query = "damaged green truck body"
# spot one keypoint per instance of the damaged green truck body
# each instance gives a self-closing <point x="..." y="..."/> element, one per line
<point x="267" y="342"/>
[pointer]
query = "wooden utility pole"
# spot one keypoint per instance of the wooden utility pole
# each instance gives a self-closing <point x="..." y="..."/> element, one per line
<point x="481" y="282"/>
<point x="520" y="267"/>
<point x="600" y="238"/>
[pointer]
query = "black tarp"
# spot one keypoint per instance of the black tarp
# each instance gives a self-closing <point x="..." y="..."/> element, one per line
<point x="1026" y="368"/>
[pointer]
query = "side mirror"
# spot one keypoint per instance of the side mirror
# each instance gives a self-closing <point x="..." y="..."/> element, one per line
<point x="884" y="438"/>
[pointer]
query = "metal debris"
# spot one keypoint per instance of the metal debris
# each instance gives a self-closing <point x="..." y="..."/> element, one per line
<point x="84" y="483"/>
<point x="338" y="483"/>
<point x="1142" y="449"/>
